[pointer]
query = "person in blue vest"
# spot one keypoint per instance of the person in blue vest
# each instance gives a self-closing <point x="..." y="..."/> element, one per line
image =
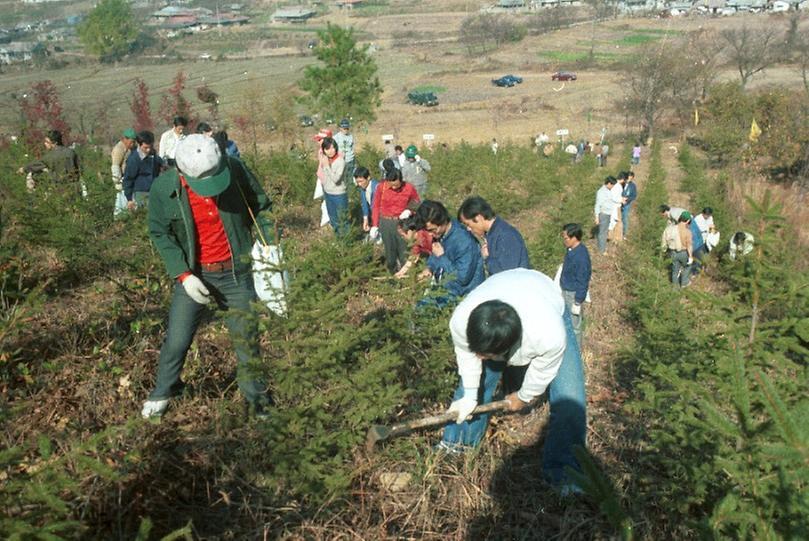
<point x="502" y="248"/>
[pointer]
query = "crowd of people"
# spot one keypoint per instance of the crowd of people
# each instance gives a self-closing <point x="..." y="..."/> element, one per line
<point x="509" y="322"/>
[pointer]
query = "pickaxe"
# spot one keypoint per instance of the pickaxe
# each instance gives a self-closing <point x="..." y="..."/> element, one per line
<point x="381" y="433"/>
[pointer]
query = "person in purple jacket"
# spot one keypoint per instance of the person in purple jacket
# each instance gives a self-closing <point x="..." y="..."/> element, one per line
<point x="502" y="248"/>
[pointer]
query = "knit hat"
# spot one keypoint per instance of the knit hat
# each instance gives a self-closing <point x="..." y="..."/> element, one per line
<point x="685" y="216"/>
<point x="200" y="161"/>
<point x="129" y="133"/>
<point x="322" y="134"/>
<point x="345" y="123"/>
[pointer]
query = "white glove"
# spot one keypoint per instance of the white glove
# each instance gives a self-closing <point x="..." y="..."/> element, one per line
<point x="464" y="407"/>
<point x="406" y="213"/>
<point x="196" y="289"/>
<point x="374" y="233"/>
<point x="690" y="260"/>
<point x="418" y="158"/>
<point x="575" y="309"/>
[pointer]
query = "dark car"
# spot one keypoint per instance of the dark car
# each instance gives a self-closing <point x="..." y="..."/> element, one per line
<point x="306" y="121"/>
<point x="507" y="80"/>
<point x="423" y="98"/>
<point x="563" y="76"/>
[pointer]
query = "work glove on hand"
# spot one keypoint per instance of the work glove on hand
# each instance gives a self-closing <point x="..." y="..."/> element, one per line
<point x="406" y="213"/>
<point x="690" y="261"/>
<point x="196" y="289"/>
<point x="575" y="309"/>
<point x="374" y="233"/>
<point x="464" y="407"/>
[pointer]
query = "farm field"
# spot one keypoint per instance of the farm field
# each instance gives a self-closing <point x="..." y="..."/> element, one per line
<point x="470" y="109"/>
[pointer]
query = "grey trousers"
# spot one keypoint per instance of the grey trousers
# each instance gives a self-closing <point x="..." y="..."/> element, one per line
<point x="603" y="231"/>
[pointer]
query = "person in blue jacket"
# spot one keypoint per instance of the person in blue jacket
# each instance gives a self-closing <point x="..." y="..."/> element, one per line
<point x="629" y="194"/>
<point x="502" y="248"/>
<point x="367" y="188"/>
<point x="142" y="167"/>
<point x="456" y="262"/>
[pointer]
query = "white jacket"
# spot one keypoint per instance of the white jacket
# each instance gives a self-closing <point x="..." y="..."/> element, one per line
<point x="538" y="301"/>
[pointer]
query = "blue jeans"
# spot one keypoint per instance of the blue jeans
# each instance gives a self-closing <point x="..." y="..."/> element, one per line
<point x="231" y="294"/>
<point x="568" y="421"/>
<point x="625" y="210"/>
<point x="680" y="269"/>
<point x="603" y="231"/>
<point x="337" y="208"/>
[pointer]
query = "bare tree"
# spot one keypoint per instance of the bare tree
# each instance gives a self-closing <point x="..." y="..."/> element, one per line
<point x="649" y="88"/>
<point x="751" y="51"/>
<point x="483" y="31"/>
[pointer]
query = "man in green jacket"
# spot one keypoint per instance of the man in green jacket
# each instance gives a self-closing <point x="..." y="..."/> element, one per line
<point x="60" y="162"/>
<point x="201" y="217"/>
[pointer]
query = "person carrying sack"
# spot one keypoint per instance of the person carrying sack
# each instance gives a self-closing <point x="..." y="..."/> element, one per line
<point x="200" y="220"/>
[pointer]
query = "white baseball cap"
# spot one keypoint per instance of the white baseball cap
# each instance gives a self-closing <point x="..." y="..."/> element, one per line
<point x="200" y="161"/>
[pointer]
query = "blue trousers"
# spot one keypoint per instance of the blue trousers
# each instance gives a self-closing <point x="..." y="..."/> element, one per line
<point x="231" y="294"/>
<point x="568" y="420"/>
<point x="625" y="211"/>
<point x="337" y="208"/>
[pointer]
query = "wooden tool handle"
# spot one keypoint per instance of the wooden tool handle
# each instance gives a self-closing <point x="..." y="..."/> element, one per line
<point x="446" y="417"/>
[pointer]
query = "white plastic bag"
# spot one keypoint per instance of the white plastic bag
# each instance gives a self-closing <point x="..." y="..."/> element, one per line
<point x="558" y="281"/>
<point x="324" y="214"/>
<point x="318" y="190"/>
<point x="270" y="282"/>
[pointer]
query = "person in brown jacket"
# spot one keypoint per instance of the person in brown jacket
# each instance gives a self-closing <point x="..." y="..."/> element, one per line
<point x="681" y="271"/>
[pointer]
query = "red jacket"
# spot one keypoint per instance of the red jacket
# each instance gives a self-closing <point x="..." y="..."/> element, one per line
<point x="390" y="203"/>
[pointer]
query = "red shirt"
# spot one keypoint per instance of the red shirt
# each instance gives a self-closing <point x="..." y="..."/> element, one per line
<point x="212" y="242"/>
<point x="424" y="243"/>
<point x="390" y="203"/>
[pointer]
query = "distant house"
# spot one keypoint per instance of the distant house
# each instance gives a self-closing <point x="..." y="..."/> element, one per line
<point x="779" y="6"/>
<point x="511" y="3"/>
<point x="753" y="6"/>
<point x="348" y="3"/>
<point x="18" y="51"/>
<point x="293" y="15"/>
<point x="174" y="11"/>
<point x="177" y="22"/>
<point x="223" y="19"/>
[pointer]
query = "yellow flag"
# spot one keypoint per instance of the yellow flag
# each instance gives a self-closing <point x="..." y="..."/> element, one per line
<point x="755" y="132"/>
<point x="696" y="116"/>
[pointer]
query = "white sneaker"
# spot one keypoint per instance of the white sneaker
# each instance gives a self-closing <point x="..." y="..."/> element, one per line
<point x="154" y="408"/>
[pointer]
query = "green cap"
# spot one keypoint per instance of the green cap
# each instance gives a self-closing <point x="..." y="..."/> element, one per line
<point x="685" y="215"/>
<point x="411" y="151"/>
<point x="129" y="133"/>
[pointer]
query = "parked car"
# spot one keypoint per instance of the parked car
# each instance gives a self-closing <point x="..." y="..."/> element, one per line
<point x="507" y="80"/>
<point x="306" y="121"/>
<point x="563" y="76"/>
<point x="423" y="98"/>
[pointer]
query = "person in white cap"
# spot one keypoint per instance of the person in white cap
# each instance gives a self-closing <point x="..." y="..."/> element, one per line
<point x="201" y="217"/>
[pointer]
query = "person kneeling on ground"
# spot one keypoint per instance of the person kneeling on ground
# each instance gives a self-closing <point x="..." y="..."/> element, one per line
<point x="456" y="262"/>
<point x="516" y="324"/>
<point x="418" y="238"/>
<point x="199" y="221"/>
